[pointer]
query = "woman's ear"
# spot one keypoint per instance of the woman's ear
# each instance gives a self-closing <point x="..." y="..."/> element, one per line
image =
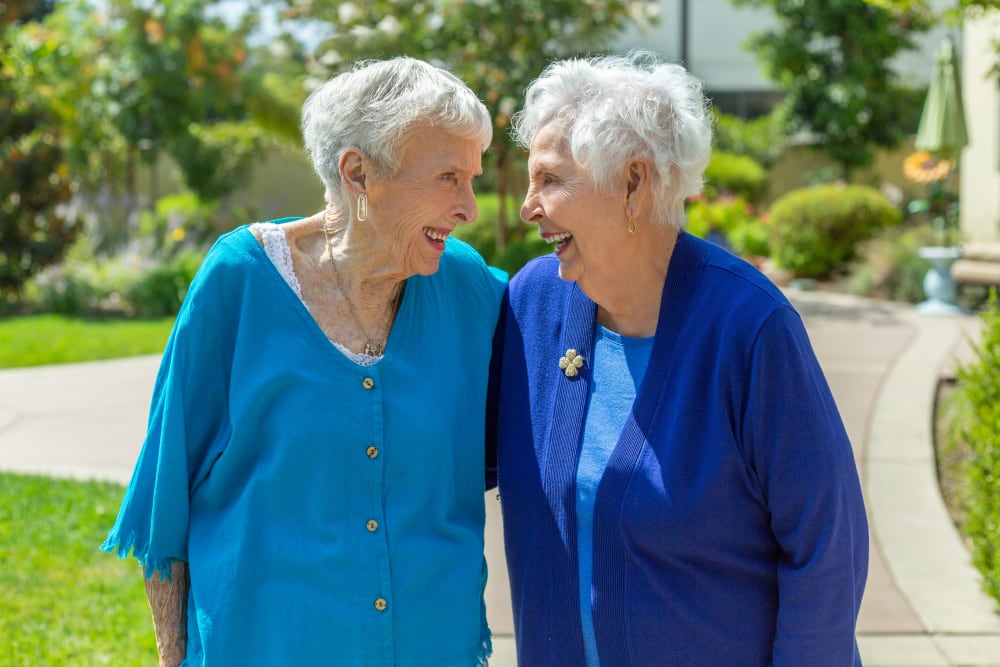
<point x="353" y="168"/>
<point x="637" y="186"/>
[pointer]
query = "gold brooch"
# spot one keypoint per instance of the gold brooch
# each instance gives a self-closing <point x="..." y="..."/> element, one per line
<point x="570" y="363"/>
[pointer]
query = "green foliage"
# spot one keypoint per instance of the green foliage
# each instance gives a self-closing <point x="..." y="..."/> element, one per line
<point x="497" y="48"/>
<point x="88" y="284"/>
<point x="160" y="290"/>
<point x="81" y="285"/>
<point x="184" y="221"/>
<point x="39" y="340"/>
<point x="731" y="221"/>
<point x="979" y="388"/>
<point x="66" y="602"/>
<point x="481" y="234"/>
<point x="816" y="230"/>
<point x="118" y="286"/>
<point x="737" y="175"/>
<point x="762" y="138"/>
<point x="889" y="265"/>
<point x="834" y="61"/>
<point x="940" y="209"/>
<point x="34" y="229"/>
<point x="125" y="82"/>
<point x="217" y="158"/>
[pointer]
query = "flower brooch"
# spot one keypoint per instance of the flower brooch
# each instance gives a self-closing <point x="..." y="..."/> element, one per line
<point x="570" y="363"/>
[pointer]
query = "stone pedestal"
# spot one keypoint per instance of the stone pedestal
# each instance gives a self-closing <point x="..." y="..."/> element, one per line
<point x="939" y="287"/>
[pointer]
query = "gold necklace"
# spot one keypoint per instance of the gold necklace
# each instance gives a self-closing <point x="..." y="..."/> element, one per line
<point x="373" y="346"/>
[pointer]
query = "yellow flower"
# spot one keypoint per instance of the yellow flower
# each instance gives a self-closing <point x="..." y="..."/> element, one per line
<point x="922" y="167"/>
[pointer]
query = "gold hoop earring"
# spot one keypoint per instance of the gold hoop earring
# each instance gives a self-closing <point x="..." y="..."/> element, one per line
<point x="362" y="207"/>
<point x="631" y="224"/>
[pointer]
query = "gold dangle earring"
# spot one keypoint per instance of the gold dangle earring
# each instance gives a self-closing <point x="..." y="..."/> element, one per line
<point x="362" y="207"/>
<point x="631" y="224"/>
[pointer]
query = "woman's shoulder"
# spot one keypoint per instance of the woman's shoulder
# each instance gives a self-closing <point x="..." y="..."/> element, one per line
<point x="232" y="264"/>
<point x="538" y="280"/>
<point x="241" y="246"/>
<point x="728" y="274"/>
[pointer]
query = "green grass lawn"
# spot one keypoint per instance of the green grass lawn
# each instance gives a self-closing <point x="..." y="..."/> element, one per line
<point x="54" y="339"/>
<point x="65" y="603"/>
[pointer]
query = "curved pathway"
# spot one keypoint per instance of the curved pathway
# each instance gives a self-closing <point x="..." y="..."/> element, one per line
<point x="923" y="606"/>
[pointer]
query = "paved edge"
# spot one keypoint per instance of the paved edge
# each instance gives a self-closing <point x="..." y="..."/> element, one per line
<point x="908" y="512"/>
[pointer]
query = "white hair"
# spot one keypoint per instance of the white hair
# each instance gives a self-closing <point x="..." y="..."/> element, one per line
<point x="619" y="108"/>
<point x="374" y="105"/>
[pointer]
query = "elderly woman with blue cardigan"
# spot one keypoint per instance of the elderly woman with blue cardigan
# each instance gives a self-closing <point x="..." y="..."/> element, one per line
<point x="310" y="490"/>
<point x="676" y="483"/>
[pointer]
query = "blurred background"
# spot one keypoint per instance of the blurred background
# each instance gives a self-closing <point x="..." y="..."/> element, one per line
<point x="857" y="150"/>
<point x="133" y="133"/>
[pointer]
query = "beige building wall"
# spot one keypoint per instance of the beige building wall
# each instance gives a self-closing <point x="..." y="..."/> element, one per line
<point x="980" y="166"/>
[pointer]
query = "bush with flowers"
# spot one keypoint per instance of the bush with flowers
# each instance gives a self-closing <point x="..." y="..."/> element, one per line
<point x="725" y="211"/>
<point x="731" y="222"/>
<point x="940" y="206"/>
<point x="730" y="174"/>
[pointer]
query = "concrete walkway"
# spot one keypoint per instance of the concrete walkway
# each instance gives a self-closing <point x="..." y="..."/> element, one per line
<point x="923" y="605"/>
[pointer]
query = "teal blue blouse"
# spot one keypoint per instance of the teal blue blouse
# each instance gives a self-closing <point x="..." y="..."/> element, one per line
<point x="329" y="513"/>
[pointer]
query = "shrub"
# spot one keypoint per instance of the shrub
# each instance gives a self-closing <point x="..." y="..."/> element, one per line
<point x="185" y="221"/>
<point x="816" y="230"/>
<point x="731" y="174"/>
<point x="889" y="265"/>
<point x="159" y="291"/>
<point x="761" y="138"/>
<point x="978" y="388"/>
<point x="85" y="284"/>
<point x="731" y="223"/>
<point x="82" y="284"/>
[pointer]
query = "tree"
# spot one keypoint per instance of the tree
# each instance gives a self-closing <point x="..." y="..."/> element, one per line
<point x="833" y="61"/>
<point x="953" y="15"/>
<point x="497" y="47"/>
<point x="130" y="81"/>
<point x="34" y="229"/>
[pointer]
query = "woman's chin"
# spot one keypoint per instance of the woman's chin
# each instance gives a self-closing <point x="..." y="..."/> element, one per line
<point x="567" y="273"/>
<point x="428" y="267"/>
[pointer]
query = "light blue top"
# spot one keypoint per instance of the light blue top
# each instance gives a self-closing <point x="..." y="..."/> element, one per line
<point x="304" y="490"/>
<point x="619" y="365"/>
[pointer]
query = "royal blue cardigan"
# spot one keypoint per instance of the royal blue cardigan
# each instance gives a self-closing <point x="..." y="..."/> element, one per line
<point x="729" y="526"/>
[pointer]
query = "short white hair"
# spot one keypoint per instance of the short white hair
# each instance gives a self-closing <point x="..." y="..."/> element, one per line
<point x="616" y="109"/>
<point x="374" y="105"/>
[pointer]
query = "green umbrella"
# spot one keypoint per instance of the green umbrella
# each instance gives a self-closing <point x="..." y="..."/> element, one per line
<point x="942" y="128"/>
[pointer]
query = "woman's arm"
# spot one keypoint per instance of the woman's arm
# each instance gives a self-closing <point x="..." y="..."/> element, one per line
<point x="806" y="465"/>
<point x="168" y="601"/>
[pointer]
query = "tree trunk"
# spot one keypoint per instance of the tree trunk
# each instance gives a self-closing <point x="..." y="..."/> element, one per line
<point x="501" y="240"/>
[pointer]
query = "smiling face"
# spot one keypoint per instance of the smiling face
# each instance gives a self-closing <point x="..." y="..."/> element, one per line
<point x="431" y="194"/>
<point x="587" y="227"/>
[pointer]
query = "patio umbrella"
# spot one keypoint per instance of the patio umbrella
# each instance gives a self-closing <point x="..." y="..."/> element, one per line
<point x="942" y="129"/>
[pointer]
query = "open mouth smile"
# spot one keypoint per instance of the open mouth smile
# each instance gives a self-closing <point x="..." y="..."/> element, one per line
<point x="561" y="240"/>
<point x="436" y="237"/>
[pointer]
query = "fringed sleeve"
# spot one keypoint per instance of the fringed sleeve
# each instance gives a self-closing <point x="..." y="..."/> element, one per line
<point x="188" y="427"/>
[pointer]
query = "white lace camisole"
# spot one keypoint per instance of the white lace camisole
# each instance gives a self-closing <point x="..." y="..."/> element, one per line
<point x="277" y="250"/>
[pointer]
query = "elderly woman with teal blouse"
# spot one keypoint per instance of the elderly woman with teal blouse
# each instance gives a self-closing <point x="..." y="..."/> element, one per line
<point x="676" y="483"/>
<point x="310" y="489"/>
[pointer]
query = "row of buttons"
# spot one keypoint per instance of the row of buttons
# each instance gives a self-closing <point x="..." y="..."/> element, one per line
<point x="380" y="603"/>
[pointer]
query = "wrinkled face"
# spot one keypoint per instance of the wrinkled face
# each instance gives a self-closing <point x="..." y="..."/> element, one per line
<point x="586" y="226"/>
<point x="430" y="195"/>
